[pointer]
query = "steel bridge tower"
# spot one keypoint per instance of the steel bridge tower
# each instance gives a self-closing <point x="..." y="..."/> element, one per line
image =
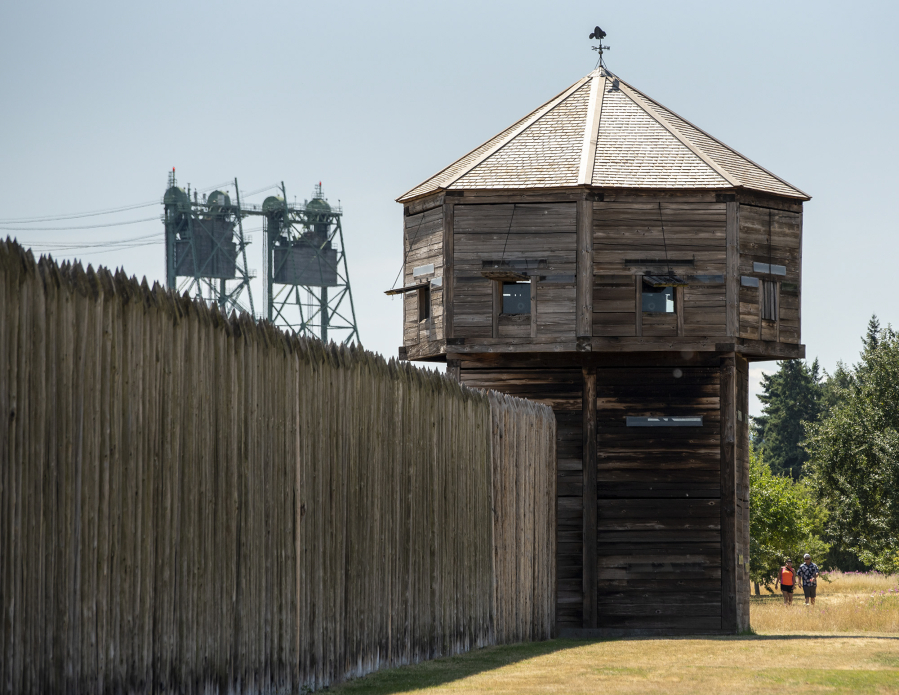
<point x="205" y="247"/>
<point x="307" y="283"/>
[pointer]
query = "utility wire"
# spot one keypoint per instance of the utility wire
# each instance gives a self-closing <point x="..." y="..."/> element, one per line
<point x="66" y="229"/>
<point x="88" y="244"/>
<point x="30" y="220"/>
<point x="109" y="211"/>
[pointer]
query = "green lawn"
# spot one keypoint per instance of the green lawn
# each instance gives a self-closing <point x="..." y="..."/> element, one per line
<point x="754" y="664"/>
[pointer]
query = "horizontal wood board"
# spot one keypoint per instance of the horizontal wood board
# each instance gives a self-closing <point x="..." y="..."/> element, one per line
<point x="530" y="233"/>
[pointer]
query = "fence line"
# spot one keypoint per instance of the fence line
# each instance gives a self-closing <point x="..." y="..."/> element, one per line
<point x="191" y="502"/>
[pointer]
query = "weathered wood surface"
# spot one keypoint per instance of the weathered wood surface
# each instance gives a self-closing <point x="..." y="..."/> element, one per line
<point x="626" y="232"/>
<point x="519" y="233"/>
<point x="728" y="509"/>
<point x="770" y="236"/>
<point x="423" y="244"/>
<point x="560" y="389"/>
<point x="657" y="492"/>
<point x="196" y="503"/>
<point x="659" y="542"/>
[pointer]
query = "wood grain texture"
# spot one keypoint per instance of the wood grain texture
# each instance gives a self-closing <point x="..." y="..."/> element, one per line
<point x="198" y="503"/>
<point x="728" y="512"/>
<point x="588" y="412"/>
<point x="584" y="268"/>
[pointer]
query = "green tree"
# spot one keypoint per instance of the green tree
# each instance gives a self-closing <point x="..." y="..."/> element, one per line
<point x="854" y="454"/>
<point x="790" y="397"/>
<point x="785" y="521"/>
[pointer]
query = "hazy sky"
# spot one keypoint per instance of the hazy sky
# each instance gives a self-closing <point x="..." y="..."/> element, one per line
<point x="101" y="99"/>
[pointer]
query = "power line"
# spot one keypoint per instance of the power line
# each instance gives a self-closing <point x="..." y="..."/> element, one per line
<point x="30" y="220"/>
<point x="89" y="226"/>
<point x="109" y="211"/>
<point x="88" y="244"/>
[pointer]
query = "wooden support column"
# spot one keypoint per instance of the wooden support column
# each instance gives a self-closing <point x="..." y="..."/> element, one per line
<point x="448" y="270"/>
<point x="496" y="288"/>
<point x="728" y="495"/>
<point x="589" y="500"/>
<point x="584" y="267"/>
<point x="732" y="277"/>
<point x="638" y="300"/>
<point x="454" y="367"/>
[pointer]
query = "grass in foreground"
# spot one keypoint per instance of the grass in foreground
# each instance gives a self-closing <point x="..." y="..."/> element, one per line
<point x="847" y="643"/>
<point x="799" y="664"/>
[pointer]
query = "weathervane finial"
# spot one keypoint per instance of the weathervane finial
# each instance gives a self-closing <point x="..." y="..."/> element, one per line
<point x="599" y="35"/>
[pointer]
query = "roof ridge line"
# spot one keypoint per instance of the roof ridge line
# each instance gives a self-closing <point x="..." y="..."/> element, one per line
<point x="546" y="108"/>
<point x="658" y="118"/>
<point x="591" y="128"/>
<point x="723" y="144"/>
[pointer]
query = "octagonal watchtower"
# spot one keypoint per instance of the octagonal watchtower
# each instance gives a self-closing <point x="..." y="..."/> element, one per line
<point x="607" y="257"/>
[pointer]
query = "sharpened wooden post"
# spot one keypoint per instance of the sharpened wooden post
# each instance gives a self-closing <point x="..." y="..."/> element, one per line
<point x="590" y="502"/>
<point x="728" y="494"/>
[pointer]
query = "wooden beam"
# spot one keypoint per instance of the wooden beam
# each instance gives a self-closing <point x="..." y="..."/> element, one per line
<point x="638" y="309"/>
<point x="497" y="288"/>
<point x="591" y="576"/>
<point x="534" y="283"/>
<point x="679" y="309"/>
<point x="584" y="268"/>
<point x="448" y="265"/>
<point x="728" y="399"/>
<point x="732" y="268"/>
<point x="591" y="128"/>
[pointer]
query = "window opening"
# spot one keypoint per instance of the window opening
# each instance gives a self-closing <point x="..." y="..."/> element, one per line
<point x="768" y="300"/>
<point x="516" y="297"/>
<point x="424" y="303"/>
<point x="665" y="421"/>
<point x="657" y="300"/>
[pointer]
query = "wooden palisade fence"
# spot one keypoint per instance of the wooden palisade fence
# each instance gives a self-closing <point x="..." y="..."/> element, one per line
<point x="190" y="502"/>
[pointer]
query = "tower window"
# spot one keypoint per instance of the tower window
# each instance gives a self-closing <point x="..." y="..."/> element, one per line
<point x="424" y="303"/>
<point x="768" y="300"/>
<point x="658" y="300"/>
<point x="516" y="297"/>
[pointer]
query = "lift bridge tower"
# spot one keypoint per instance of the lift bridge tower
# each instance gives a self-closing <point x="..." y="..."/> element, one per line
<point x="307" y="284"/>
<point x="205" y="247"/>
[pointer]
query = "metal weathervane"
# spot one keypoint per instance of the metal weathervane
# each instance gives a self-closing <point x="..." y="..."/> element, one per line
<point x="598" y="34"/>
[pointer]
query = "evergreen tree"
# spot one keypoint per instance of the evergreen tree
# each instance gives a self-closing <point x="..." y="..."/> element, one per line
<point x="791" y="396"/>
<point x="854" y="455"/>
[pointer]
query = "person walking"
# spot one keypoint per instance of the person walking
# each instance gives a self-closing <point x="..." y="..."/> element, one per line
<point x="808" y="575"/>
<point x="787" y="580"/>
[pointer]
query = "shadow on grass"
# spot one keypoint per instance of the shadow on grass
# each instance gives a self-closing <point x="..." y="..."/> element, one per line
<point x="428" y="674"/>
<point x="437" y="672"/>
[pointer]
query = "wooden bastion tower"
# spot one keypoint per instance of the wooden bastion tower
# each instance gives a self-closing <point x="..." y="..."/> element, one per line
<point x="606" y="257"/>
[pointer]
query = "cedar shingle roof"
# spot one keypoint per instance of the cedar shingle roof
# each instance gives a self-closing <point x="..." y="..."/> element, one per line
<point x="603" y="132"/>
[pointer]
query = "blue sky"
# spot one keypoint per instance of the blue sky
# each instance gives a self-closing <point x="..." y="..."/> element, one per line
<point x="101" y="99"/>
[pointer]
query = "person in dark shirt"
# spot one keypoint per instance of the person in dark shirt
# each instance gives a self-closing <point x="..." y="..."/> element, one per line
<point x="808" y="575"/>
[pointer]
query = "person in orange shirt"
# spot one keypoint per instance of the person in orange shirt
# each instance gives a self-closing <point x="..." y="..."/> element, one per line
<point x="787" y="580"/>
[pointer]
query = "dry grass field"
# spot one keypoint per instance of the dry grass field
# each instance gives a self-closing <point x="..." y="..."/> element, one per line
<point x="849" y="602"/>
<point x="847" y="643"/>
